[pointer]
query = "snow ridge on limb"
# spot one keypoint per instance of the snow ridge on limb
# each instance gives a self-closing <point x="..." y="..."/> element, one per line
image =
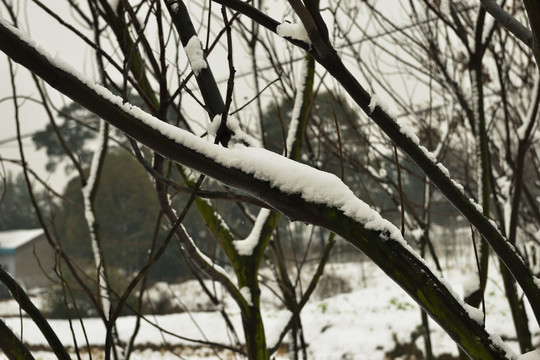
<point x="237" y="138"/>
<point x="302" y="105"/>
<point x="195" y="55"/>
<point x="245" y="247"/>
<point x="188" y="35"/>
<point x="88" y="191"/>
<point x="241" y="168"/>
<point x="293" y="31"/>
<point x="314" y="24"/>
<point x="294" y="124"/>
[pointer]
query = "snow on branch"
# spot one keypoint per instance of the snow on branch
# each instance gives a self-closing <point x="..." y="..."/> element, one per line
<point x="288" y="176"/>
<point x="297" y="108"/>
<point x="293" y="31"/>
<point x="245" y="247"/>
<point x="88" y="192"/>
<point x="238" y="137"/>
<point x="387" y="123"/>
<point x="203" y="258"/>
<point x="195" y="55"/>
<point x="296" y="189"/>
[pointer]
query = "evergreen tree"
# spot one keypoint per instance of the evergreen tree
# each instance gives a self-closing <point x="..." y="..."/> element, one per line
<point x="127" y="211"/>
<point x="16" y="209"/>
<point x="77" y="127"/>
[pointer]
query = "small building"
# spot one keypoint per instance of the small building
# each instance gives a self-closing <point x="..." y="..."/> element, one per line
<point x="27" y="256"/>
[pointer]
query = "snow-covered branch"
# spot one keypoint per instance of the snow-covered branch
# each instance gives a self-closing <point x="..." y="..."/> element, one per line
<point x="89" y="192"/>
<point x="436" y="173"/>
<point x="297" y="190"/>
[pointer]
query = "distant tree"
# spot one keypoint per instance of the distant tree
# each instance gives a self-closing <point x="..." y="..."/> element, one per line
<point x="324" y="106"/>
<point x="77" y="127"/>
<point x="128" y="212"/>
<point x="16" y="209"/>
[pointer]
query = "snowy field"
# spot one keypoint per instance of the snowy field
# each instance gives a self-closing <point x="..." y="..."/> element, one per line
<point x="361" y="324"/>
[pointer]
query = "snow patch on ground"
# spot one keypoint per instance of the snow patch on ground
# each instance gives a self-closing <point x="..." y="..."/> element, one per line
<point x="355" y="325"/>
<point x="470" y="284"/>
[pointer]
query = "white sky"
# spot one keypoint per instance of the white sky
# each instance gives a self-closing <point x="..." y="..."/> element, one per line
<point x="59" y="42"/>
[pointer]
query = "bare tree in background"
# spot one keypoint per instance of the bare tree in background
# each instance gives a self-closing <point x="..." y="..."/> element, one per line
<point x="469" y="100"/>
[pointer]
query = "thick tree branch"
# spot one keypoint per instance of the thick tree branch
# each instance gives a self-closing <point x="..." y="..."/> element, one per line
<point x="453" y="192"/>
<point x="508" y="22"/>
<point x="11" y="345"/>
<point x="26" y="304"/>
<point x="205" y="79"/>
<point x="533" y="12"/>
<point x="382" y="243"/>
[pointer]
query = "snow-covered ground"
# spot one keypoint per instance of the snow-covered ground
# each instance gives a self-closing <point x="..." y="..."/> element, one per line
<point x="360" y="324"/>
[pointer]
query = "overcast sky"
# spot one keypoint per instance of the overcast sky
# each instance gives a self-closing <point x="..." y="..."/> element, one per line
<point x="57" y="41"/>
<point x="60" y="42"/>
